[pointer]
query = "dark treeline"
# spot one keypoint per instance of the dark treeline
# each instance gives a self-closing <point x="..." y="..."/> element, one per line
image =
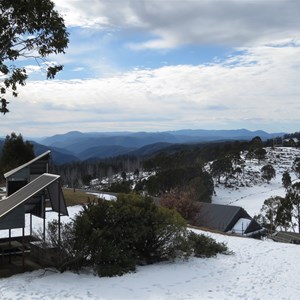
<point x="193" y="155"/>
<point x="170" y="164"/>
<point x="292" y="135"/>
<point x="80" y="173"/>
<point x="177" y="166"/>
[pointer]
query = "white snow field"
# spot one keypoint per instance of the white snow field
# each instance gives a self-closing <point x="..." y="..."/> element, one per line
<point x="258" y="269"/>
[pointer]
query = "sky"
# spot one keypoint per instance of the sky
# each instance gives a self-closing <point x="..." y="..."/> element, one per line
<point x="152" y="65"/>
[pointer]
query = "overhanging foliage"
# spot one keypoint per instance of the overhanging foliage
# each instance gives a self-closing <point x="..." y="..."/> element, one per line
<point x="28" y="29"/>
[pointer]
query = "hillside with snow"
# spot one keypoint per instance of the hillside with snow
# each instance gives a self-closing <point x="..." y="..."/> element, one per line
<point x="257" y="269"/>
<point x="250" y="190"/>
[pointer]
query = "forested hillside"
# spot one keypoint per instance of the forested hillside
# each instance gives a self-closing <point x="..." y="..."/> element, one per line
<point x="181" y="167"/>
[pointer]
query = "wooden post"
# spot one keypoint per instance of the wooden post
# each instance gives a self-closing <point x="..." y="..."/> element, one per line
<point x="23" y="248"/>
<point x="58" y="189"/>
<point x="242" y="228"/>
<point x="30" y="230"/>
<point x="44" y="218"/>
<point x="9" y="243"/>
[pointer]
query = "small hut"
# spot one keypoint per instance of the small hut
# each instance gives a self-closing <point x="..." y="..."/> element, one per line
<point x="227" y="218"/>
<point x="31" y="189"/>
<point x="22" y="175"/>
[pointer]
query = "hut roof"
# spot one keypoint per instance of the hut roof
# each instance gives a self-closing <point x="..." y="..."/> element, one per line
<point x="13" y="207"/>
<point x="13" y="171"/>
<point x="225" y="218"/>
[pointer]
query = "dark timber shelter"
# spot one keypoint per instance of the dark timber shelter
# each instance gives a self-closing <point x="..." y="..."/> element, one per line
<point x="22" y="175"/>
<point x="29" y="188"/>
<point x="227" y="218"/>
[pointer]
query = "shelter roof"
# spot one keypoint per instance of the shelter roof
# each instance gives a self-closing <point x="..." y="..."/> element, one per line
<point x="219" y="217"/>
<point x="34" y="187"/>
<point x="13" y="171"/>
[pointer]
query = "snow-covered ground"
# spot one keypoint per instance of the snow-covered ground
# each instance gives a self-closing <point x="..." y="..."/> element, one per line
<point x="258" y="269"/>
<point x="104" y="196"/>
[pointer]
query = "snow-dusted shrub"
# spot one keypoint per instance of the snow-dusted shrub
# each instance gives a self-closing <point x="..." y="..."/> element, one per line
<point x="205" y="246"/>
<point x="117" y="235"/>
<point x="112" y="237"/>
<point x="60" y="253"/>
<point x="268" y="172"/>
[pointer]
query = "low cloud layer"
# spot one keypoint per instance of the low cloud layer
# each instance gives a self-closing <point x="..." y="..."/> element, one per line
<point x="256" y="89"/>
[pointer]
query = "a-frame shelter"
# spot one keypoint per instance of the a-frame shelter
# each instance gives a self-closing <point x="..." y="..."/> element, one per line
<point x="30" y="195"/>
<point x="22" y="175"/>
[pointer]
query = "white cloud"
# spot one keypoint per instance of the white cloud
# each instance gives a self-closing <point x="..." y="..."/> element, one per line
<point x="88" y="13"/>
<point x="175" y="22"/>
<point x="78" y="69"/>
<point x="258" y="89"/>
<point x="33" y="68"/>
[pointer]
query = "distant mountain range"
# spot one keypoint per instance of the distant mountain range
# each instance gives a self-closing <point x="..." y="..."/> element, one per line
<point x="77" y="145"/>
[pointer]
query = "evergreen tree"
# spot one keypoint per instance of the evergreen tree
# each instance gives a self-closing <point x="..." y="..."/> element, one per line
<point x="256" y="142"/>
<point x="293" y="198"/>
<point x="136" y="173"/>
<point x="284" y="213"/>
<point x="222" y="167"/>
<point x="296" y="167"/>
<point x="269" y="211"/>
<point x="15" y="152"/>
<point x="268" y="172"/>
<point x="276" y="212"/>
<point x="123" y="175"/>
<point x="260" y="154"/>
<point x="286" y="180"/>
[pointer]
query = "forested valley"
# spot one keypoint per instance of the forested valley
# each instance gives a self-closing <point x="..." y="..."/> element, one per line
<point x="179" y="167"/>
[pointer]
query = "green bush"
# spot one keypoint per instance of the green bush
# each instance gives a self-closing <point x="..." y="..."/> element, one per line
<point x="205" y="246"/>
<point x="120" y="187"/>
<point x="59" y="253"/>
<point x="113" y="237"/>
<point x="117" y="235"/>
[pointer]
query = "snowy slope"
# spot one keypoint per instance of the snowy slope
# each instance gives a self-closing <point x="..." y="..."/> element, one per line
<point x="251" y="191"/>
<point x="256" y="270"/>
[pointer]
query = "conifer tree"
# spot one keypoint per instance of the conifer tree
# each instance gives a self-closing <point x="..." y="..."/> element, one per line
<point x="293" y="198"/>
<point x="286" y="180"/>
<point x="15" y="152"/>
<point x="268" y="172"/>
